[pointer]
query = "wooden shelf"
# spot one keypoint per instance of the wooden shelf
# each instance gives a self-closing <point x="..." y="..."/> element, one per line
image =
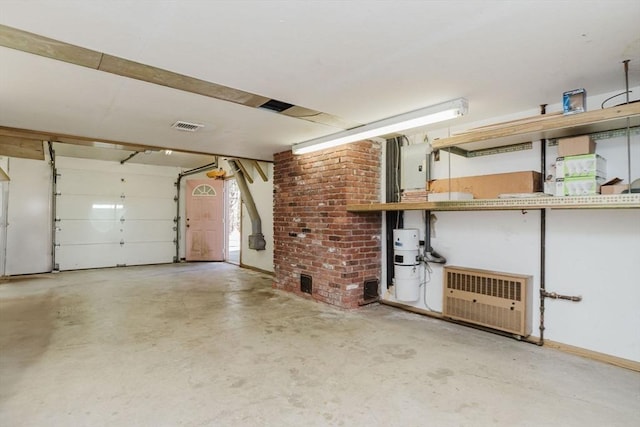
<point x="549" y="127"/>
<point x="519" y="131"/>
<point x="615" y="201"/>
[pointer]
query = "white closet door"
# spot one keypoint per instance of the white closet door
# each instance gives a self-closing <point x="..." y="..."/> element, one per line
<point x="112" y="215"/>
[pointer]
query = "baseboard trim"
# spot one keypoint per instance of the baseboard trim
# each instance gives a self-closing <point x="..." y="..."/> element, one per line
<point x="594" y="355"/>
<point x="412" y="309"/>
<point x="566" y="348"/>
<point x="259" y="270"/>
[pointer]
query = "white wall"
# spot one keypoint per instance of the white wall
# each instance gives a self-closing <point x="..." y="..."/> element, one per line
<point x="29" y="217"/>
<point x="591" y="253"/>
<point x="595" y="254"/>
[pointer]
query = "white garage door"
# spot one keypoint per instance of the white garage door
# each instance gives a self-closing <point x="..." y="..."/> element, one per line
<point x="108" y="214"/>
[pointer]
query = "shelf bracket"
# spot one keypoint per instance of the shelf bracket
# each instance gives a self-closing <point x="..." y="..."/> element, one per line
<point x="489" y="151"/>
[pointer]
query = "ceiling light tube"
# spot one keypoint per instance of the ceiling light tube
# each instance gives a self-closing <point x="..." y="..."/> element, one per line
<point x="414" y="119"/>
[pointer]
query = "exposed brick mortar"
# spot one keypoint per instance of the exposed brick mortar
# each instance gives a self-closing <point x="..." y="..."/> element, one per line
<point x="313" y="233"/>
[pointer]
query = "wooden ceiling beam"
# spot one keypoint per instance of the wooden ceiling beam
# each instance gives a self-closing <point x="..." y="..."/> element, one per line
<point x="257" y="167"/>
<point x="248" y="177"/>
<point x="50" y="48"/>
<point x="24" y="148"/>
<point x="83" y="140"/>
<point x="147" y="73"/>
<point x="26" y="134"/>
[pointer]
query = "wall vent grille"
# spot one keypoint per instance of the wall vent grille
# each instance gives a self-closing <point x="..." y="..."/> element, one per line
<point x="186" y="126"/>
<point x="496" y="300"/>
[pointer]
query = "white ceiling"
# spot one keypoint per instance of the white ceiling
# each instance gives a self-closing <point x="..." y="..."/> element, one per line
<point x="359" y="60"/>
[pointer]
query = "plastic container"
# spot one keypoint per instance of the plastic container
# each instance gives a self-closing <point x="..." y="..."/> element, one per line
<point x="407" y="283"/>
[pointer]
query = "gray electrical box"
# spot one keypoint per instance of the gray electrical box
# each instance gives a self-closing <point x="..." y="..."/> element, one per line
<point x="414" y="166"/>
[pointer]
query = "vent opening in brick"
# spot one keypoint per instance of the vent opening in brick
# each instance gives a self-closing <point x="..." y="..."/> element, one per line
<point x="305" y="284"/>
<point x="370" y="290"/>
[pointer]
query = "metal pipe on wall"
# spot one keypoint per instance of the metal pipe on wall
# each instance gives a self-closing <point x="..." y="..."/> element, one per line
<point x="54" y="183"/>
<point x="431" y="255"/>
<point x="626" y="88"/>
<point x="394" y="219"/>
<point x="543" y="236"/>
<point x="543" y="231"/>
<point x="131" y="156"/>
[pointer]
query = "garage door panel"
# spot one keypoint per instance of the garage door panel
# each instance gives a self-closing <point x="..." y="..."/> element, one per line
<point x="88" y="232"/>
<point x="87" y="207"/>
<point x="149" y="253"/>
<point x="149" y="231"/>
<point x="115" y="208"/>
<point x="74" y="181"/>
<point x="76" y="257"/>
<point x="106" y="217"/>
<point x="137" y="208"/>
<point x="136" y="185"/>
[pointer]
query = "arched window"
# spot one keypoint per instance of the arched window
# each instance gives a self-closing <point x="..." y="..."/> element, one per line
<point x="203" y="190"/>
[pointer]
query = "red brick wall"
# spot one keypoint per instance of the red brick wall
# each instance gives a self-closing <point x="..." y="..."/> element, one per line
<point x="313" y="232"/>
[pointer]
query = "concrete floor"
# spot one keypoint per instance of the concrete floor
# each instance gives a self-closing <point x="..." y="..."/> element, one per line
<point x="214" y="345"/>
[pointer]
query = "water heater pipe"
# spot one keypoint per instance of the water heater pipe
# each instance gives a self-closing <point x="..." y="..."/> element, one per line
<point x="543" y="233"/>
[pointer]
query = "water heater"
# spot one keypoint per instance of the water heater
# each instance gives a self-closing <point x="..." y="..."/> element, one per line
<point x="406" y="262"/>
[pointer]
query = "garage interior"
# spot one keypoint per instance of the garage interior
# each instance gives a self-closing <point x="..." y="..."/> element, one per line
<point x="180" y="245"/>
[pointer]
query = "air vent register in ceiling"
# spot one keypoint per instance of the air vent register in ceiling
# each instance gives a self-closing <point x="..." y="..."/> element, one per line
<point x="186" y="126"/>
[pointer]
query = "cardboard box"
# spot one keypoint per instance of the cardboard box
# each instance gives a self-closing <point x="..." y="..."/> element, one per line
<point x="576" y="146"/>
<point x="579" y="186"/>
<point x="613" y="186"/>
<point x="613" y="189"/>
<point x="490" y="186"/>
<point x="443" y="197"/>
<point x="584" y="165"/>
<point x="549" y="188"/>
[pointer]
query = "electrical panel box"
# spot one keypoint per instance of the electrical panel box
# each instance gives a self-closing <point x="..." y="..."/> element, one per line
<point x="414" y="166"/>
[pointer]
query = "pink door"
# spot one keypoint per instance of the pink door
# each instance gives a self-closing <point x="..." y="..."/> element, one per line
<point x="205" y="220"/>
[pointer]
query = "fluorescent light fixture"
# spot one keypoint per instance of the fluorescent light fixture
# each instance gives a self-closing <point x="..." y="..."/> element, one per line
<point x="414" y="119"/>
